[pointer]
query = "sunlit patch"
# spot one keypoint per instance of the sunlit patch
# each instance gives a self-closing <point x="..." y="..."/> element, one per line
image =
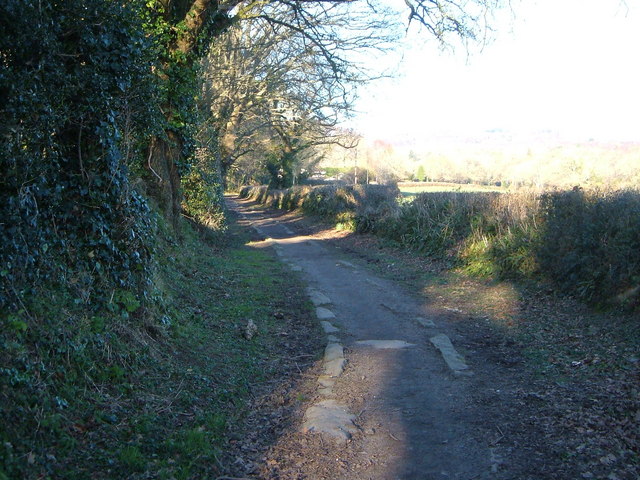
<point x="292" y="240"/>
<point x="464" y="298"/>
<point x="329" y="233"/>
<point x="270" y="242"/>
<point x="260" y="244"/>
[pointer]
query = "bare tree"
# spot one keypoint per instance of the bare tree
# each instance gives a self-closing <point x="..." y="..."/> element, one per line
<point x="281" y="74"/>
<point x="447" y="20"/>
<point x="278" y="83"/>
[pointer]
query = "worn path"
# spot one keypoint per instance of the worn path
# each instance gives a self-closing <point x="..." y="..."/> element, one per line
<point x="392" y="398"/>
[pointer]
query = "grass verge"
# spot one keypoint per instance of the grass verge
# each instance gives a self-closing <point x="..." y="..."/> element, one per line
<point x="574" y="370"/>
<point x="155" y="394"/>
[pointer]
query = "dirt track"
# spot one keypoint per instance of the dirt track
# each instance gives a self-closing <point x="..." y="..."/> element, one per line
<point x="415" y="418"/>
<point x="408" y="414"/>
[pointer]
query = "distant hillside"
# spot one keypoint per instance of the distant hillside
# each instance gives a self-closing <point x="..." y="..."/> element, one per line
<point x="541" y="160"/>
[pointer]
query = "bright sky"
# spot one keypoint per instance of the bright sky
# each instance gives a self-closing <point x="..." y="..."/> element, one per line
<point x="572" y="66"/>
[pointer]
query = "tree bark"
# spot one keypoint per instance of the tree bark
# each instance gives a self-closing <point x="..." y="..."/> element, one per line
<point x="162" y="161"/>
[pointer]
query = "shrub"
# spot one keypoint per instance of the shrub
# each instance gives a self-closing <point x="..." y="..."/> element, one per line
<point x="591" y="242"/>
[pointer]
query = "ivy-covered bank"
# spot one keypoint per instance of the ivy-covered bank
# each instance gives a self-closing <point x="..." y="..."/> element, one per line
<point x="97" y="114"/>
<point x="77" y="98"/>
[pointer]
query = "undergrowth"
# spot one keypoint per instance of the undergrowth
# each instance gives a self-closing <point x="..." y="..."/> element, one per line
<point x="143" y="392"/>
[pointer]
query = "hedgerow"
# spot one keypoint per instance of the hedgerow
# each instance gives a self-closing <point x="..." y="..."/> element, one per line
<point x="587" y="243"/>
<point x="590" y="243"/>
<point x="343" y="204"/>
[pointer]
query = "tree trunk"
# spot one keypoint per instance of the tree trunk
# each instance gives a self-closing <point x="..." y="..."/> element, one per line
<point x="162" y="163"/>
<point x="164" y="155"/>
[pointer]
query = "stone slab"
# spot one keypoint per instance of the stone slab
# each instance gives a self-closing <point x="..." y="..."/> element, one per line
<point x="334" y="367"/>
<point x="324" y="314"/>
<point x="317" y="297"/>
<point x="333" y="351"/>
<point x="344" y="263"/>
<point x="330" y="418"/>
<point x="374" y="282"/>
<point x="385" y="344"/>
<point x="425" y="322"/>
<point x="328" y="327"/>
<point x="452" y="358"/>
<point x="326" y="381"/>
<point x="325" y="391"/>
